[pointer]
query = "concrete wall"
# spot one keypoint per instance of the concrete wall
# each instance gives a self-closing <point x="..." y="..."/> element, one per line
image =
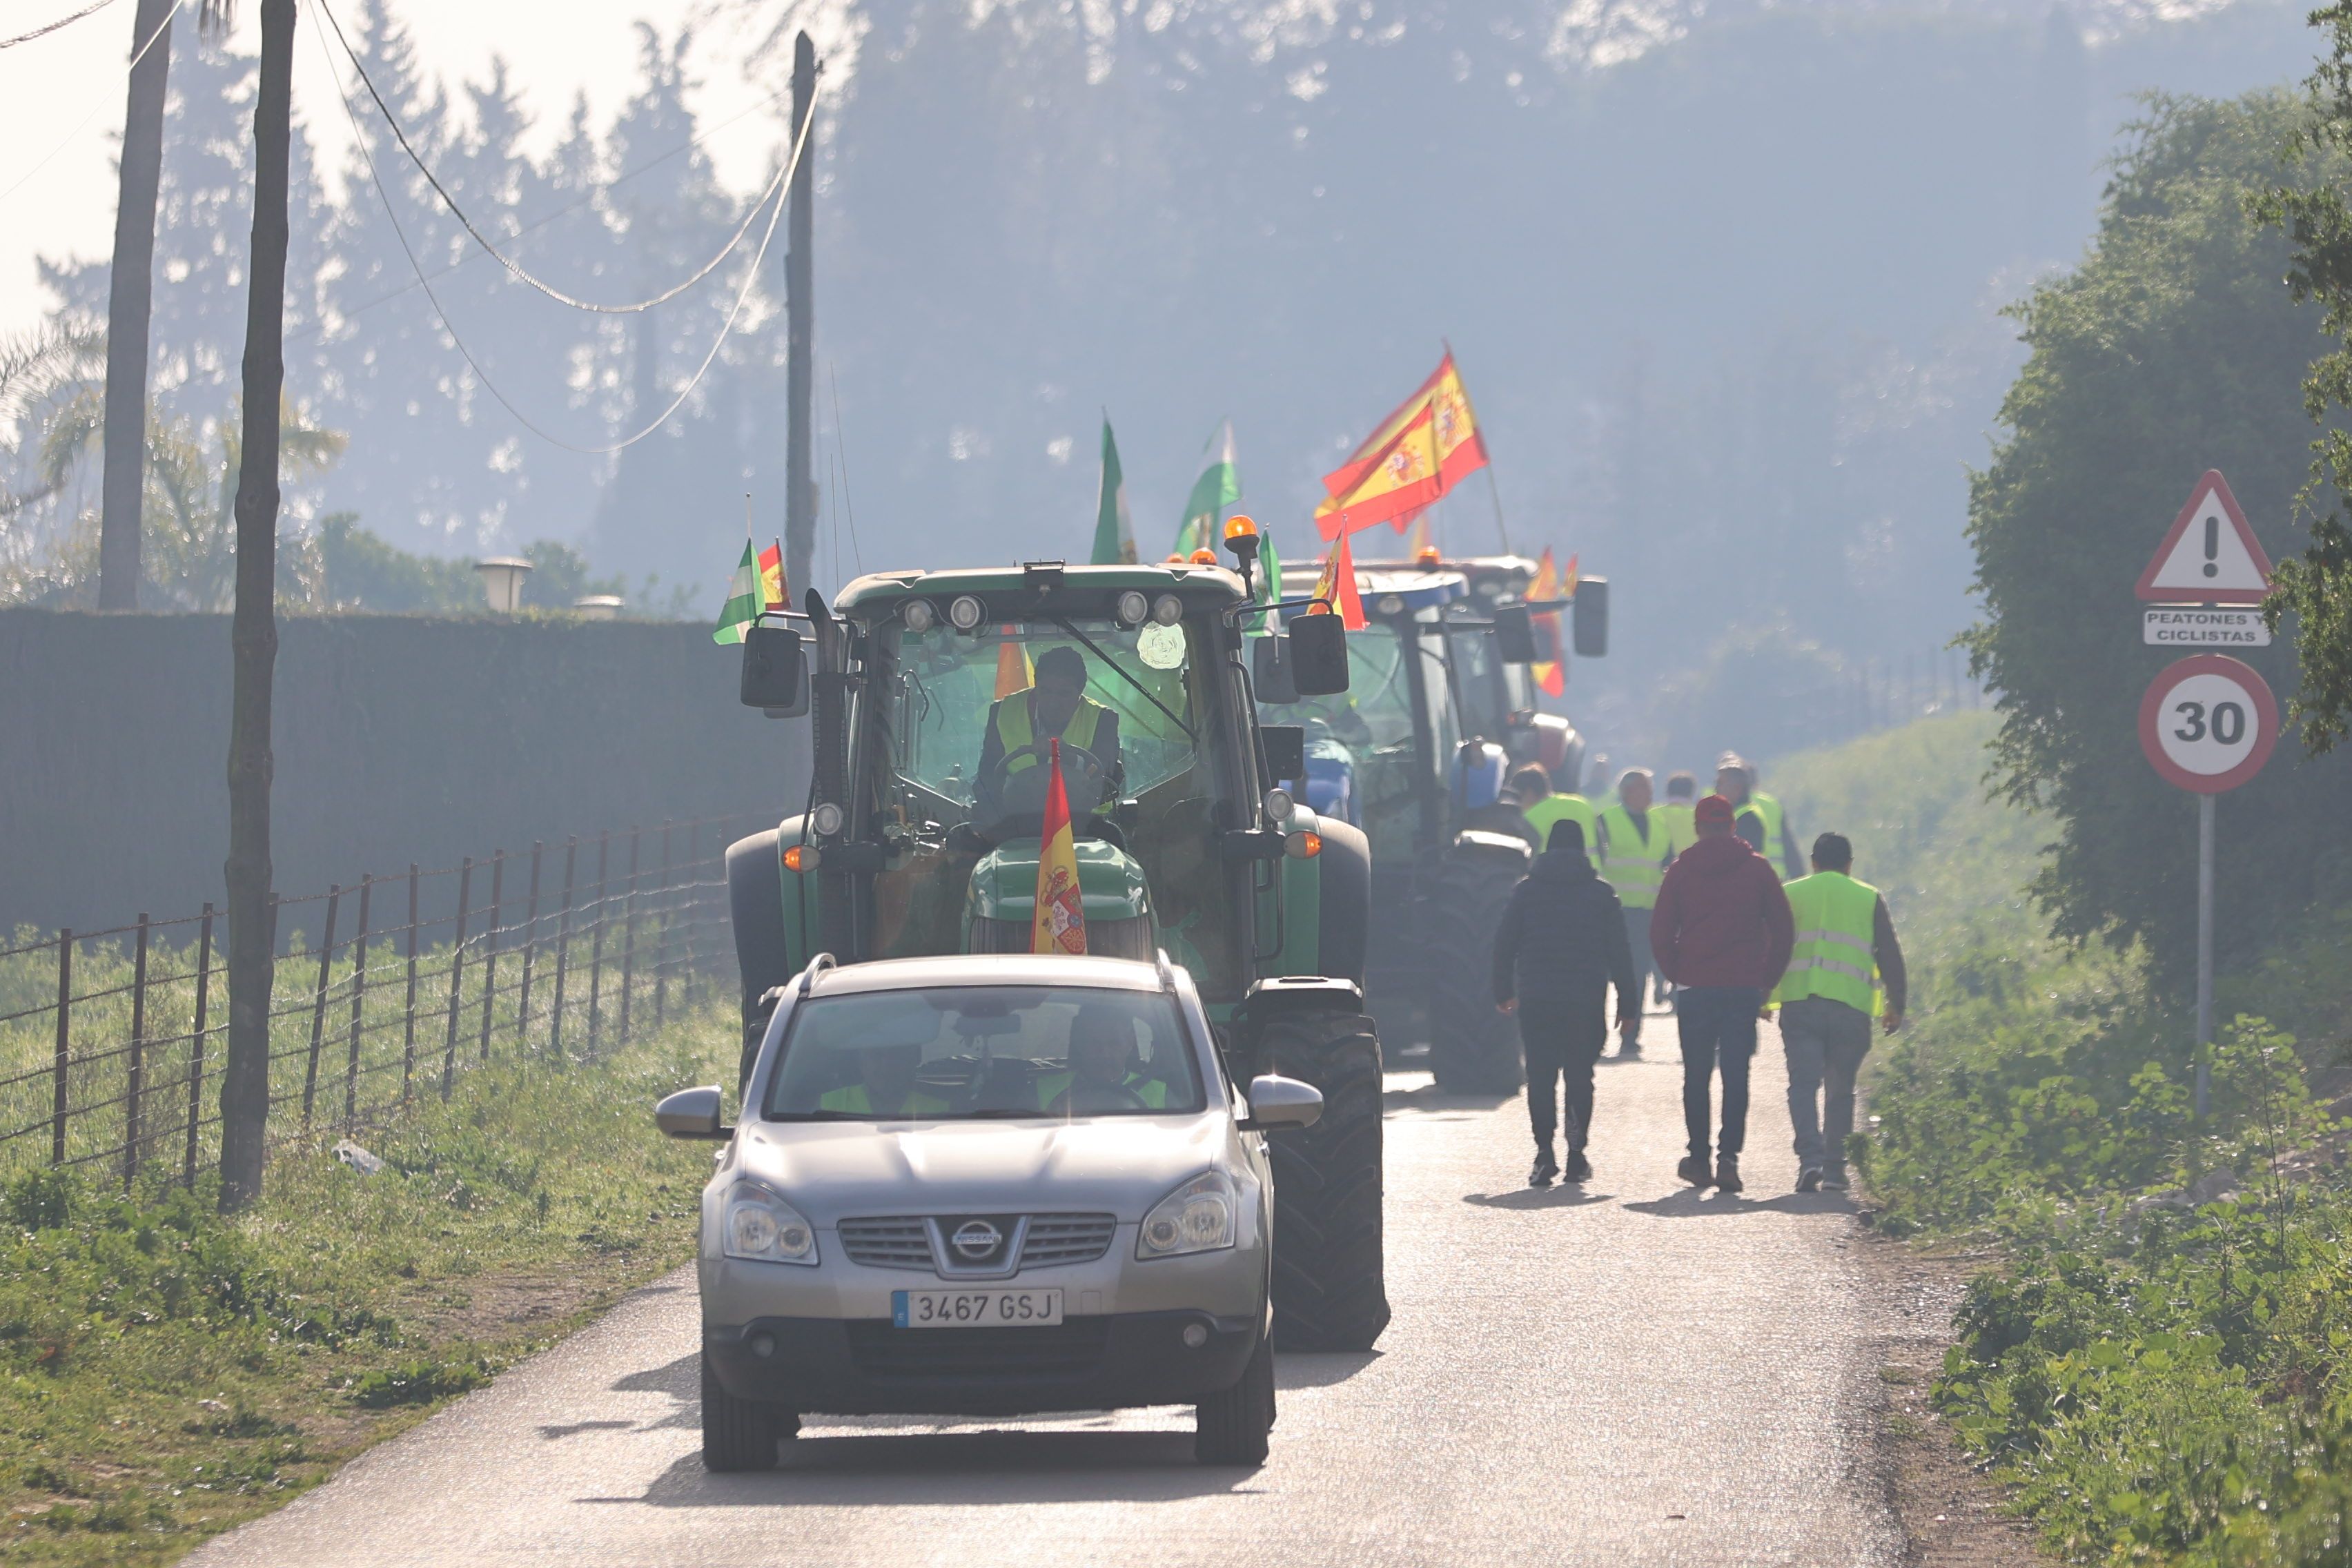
<point x="397" y="739"/>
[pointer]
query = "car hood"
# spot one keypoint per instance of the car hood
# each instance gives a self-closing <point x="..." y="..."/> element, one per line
<point x="1120" y="1165"/>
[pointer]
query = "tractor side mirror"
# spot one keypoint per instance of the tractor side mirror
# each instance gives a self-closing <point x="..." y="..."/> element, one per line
<point x="1318" y="655"/>
<point x="1270" y="669"/>
<point x="1286" y="751"/>
<point x="775" y="672"/>
<point x="1515" y="635"/>
<point x="1590" y="611"/>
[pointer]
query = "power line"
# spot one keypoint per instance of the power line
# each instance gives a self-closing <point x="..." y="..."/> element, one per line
<point x="62" y="22"/>
<point x="162" y="29"/>
<point x="513" y="267"/>
<point x="750" y="275"/>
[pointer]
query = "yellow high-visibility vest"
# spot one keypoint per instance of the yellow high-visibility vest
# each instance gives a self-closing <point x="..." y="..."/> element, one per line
<point x="1553" y="807"/>
<point x="1835" y="955"/>
<point x="1768" y="811"/>
<point x="856" y="1102"/>
<point x="1680" y="818"/>
<point x="1153" y="1091"/>
<point x="1014" y="730"/>
<point x="1633" y="864"/>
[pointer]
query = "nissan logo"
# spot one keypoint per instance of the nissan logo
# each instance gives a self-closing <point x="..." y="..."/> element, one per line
<point x="977" y="1239"/>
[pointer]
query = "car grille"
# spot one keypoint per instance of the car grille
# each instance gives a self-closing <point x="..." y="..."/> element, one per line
<point x="1066" y="1239"/>
<point x="886" y="1243"/>
<point x="1051" y="1240"/>
<point x="885" y="1354"/>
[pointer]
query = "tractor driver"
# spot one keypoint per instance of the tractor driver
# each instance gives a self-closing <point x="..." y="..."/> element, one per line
<point x="1102" y="1075"/>
<point x="886" y="1085"/>
<point x="1056" y="706"/>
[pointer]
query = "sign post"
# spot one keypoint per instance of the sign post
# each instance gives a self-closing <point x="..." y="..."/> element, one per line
<point x="2207" y="723"/>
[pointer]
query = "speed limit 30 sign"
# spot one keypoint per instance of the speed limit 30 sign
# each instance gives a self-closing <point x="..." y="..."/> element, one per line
<point x="2208" y="723"/>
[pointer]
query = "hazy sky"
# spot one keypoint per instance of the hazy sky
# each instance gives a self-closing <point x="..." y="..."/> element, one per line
<point x="46" y="87"/>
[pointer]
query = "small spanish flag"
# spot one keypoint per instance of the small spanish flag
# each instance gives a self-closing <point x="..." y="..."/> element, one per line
<point x="771" y="575"/>
<point x="1336" y="586"/>
<point x="1061" y="920"/>
<point x="1551" y="672"/>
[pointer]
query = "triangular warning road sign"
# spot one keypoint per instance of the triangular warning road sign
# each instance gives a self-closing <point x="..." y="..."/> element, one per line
<point x="2211" y="556"/>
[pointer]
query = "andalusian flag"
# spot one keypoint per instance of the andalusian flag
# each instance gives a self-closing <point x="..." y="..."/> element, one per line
<point x="1219" y="486"/>
<point x="1551" y="674"/>
<point x="1269" y="586"/>
<point x="1426" y="446"/>
<point x="1061" y="920"/>
<point x="1336" y="586"/>
<point x="1114" y="529"/>
<point x="745" y="599"/>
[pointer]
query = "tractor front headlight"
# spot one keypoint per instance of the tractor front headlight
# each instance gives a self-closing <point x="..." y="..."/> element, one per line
<point x="1132" y="608"/>
<point x="1199" y="1217"/>
<point x="965" y="613"/>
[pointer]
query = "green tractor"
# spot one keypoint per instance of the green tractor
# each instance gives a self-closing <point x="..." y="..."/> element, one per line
<point x="919" y="837"/>
<point x="1440" y="705"/>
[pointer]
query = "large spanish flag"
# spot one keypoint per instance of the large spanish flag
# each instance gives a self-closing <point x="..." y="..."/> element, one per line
<point x="1418" y="452"/>
<point x="1061" y="920"/>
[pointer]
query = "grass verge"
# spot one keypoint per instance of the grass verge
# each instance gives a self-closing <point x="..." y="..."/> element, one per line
<point x="166" y="1374"/>
<point x="2163" y="1371"/>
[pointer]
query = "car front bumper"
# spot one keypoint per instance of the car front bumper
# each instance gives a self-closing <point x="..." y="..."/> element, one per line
<point x="865" y="1366"/>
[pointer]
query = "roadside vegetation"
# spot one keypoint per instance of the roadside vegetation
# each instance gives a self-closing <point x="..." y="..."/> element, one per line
<point x="166" y="1373"/>
<point x="2161" y="1371"/>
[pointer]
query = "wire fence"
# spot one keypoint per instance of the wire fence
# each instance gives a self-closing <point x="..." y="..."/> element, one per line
<point x="112" y="1042"/>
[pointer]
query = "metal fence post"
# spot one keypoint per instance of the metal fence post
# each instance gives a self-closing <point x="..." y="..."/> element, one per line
<point x="318" y="1005"/>
<point x="685" y="925"/>
<point x="196" y="1042"/>
<point x="408" y="1022"/>
<point x="562" y="950"/>
<point x="65" y="1043"/>
<point x="456" y="975"/>
<point x="661" y="943"/>
<point x="491" y="945"/>
<point x="596" y="946"/>
<point x="359" y="989"/>
<point x="530" y="951"/>
<point x="137" y="1083"/>
<point x="629" y="936"/>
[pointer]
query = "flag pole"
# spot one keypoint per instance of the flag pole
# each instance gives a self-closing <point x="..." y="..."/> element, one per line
<point x="747" y="517"/>
<point x="1494" y="487"/>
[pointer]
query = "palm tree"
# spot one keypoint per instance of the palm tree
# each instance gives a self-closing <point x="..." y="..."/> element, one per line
<point x="129" y="300"/>
<point x="253" y="637"/>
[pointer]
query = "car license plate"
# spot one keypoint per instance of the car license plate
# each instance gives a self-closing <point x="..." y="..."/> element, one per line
<point x="974" y="1309"/>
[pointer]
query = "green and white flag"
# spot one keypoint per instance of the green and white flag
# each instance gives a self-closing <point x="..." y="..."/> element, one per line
<point x="744" y="600"/>
<point x="1114" y="529"/>
<point x="1269" y="586"/>
<point x="1219" y="486"/>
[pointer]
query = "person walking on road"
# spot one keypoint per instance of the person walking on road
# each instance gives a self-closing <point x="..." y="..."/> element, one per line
<point x="1845" y="961"/>
<point x="1557" y="805"/>
<point x="1635" y="849"/>
<point x="1758" y="818"/>
<point x="1722" y="932"/>
<point x="1507" y="812"/>
<point x="1561" y="946"/>
<point x="1682" y="832"/>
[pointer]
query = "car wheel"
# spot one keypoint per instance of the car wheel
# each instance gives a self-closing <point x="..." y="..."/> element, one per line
<point x="1473" y="1049"/>
<point x="1329" y="1293"/>
<point x="1230" y="1428"/>
<point x="740" y="1434"/>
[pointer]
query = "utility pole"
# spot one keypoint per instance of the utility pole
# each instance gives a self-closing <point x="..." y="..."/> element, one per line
<point x="130" y="301"/>
<point x="799" y="489"/>
<point x="253" y="637"/>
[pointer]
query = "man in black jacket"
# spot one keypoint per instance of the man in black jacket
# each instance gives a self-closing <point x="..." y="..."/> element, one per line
<point x="1559" y="948"/>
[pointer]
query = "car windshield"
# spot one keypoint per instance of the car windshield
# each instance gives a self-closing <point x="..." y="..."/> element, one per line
<point x="977" y="1052"/>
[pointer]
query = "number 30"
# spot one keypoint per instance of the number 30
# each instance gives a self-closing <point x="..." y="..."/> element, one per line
<point x="2229" y="726"/>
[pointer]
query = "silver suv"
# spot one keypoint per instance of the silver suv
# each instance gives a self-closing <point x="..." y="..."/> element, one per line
<point x="987" y="1185"/>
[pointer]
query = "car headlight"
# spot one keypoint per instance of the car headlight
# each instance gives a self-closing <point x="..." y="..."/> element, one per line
<point x="1196" y="1217"/>
<point x="760" y="1225"/>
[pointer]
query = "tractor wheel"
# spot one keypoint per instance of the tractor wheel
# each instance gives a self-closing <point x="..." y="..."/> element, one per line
<point x="755" y="897"/>
<point x="1329" y="1293"/>
<point x="1473" y="1049"/>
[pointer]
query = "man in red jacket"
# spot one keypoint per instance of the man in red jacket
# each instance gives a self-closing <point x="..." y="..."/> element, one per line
<point x="1722" y="933"/>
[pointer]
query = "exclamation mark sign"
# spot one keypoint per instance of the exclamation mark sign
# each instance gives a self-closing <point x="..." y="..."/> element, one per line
<point x="2213" y="545"/>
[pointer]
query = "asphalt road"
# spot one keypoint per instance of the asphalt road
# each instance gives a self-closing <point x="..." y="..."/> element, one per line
<point x="1621" y="1373"/>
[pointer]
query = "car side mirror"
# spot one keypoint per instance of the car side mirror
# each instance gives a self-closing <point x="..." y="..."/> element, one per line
<point x="775" y="672"/>
<point x="1276" y="1103"/>
<point x="1515" y="635"/>
<point x="693" y="1113"/>
<point x="1318" y="655"/>
<point x="1589" y="609"/>
<point x="1270" y="669"/>
<point x="1286" y="751"/>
